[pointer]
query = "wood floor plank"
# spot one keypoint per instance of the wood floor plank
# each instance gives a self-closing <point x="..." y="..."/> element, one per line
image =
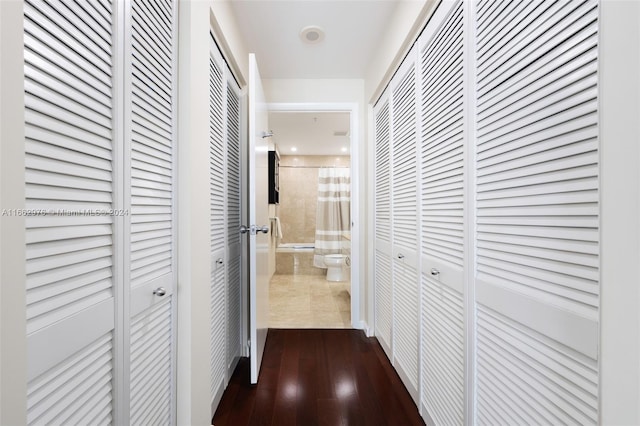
<point x="318" y="377"/>
<point x="286" y="399"/>
<point x="329" y="412"/>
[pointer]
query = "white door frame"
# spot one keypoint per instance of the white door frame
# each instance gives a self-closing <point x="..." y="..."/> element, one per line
<point x="356" y="224"/>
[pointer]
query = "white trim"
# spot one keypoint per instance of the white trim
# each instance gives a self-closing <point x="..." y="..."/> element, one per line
<point x="244" y="212"/>
<point x="371" y="203"/>
<point x="470" y="208"/>
<point x="368" y="331"/>
<point x="13" y="345"/>
<point x="174" y="214"/>
<point x="619" y="108"/>
<point x="121" y="197"/>
<point x="358" y="226"/>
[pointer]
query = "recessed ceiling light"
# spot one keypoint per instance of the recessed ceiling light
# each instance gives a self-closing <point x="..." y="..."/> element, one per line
<point x="312" y="34"/>
<point x="294" y="149"/>
<point x="344" y="149"/>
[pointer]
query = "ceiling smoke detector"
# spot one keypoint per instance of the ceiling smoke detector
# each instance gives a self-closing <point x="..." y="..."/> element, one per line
<point x="312" y="34"/>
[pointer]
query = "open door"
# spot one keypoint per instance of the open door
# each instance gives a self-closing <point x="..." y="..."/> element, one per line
<point x="258" y="229"/>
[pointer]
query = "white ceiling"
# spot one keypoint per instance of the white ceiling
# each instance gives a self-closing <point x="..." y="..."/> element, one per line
<point x="352" y="32"/>
<point x="311" y="133"/>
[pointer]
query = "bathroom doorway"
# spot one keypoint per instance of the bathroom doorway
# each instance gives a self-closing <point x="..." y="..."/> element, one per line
<point x="312" y="261"/>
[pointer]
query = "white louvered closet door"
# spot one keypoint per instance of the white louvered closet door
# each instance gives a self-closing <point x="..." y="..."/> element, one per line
<point x="70" y="179"/>
<point x="382" y="227"/>
<point x="537" y="212"/>
<point x="218" y="228"/>
<point x="404" y="223"/>
<point x="150" y="136"/>
<point x="234" y="242"/>
<point x="443" y="121"/>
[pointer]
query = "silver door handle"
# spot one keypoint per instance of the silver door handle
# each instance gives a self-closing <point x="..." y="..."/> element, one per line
<point x="160" y="291"/>
<point x="220" y="261"/>
<point x="253" y="229"/>
<point x="435" y="272"/>
<point x="401" y="256"/>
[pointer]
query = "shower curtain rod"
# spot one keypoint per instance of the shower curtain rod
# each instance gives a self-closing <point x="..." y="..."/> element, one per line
<point x="315" y="167"/>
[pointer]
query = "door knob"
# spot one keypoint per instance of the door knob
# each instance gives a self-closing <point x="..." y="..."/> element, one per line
<point x="220" y="261"/>
<point x="435" y="272"/>
<point x="160" y="291"/>
<point x="253" y="229"/>
<point x="401" y="256"/>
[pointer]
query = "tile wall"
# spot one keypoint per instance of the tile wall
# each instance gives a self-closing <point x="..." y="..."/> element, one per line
<point x="299" y="193"/>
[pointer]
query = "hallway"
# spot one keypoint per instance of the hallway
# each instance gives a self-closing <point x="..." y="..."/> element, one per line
<point x="318" y="377"/>
<point x="493" y="234"/>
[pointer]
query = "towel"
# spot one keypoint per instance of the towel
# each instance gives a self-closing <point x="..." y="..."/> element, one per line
<point x="278" y="227"/>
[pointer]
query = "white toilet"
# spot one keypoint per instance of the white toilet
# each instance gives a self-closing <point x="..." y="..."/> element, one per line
<point x="335" y="266"/>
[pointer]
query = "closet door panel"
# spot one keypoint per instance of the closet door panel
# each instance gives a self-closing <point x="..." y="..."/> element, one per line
<point x="443" y="121"/>
<point x="405" y="223"/>
<point x="71" y="240"/>
<point x="218" y="229"/>
<point x="537" y="213"/>
<point x="234" y="241"/>
<point x="150" y="135"/>
<point x="382" y="227"/>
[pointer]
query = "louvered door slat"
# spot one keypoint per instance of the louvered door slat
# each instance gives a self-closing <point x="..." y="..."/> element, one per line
<point x="79" y="41"/>
<point x="60" y="395"/>
<point x="404" y="178"/>
<point x="217" y="158"/>
<point x="234" y="217"/>
<point x="151" y="356"/>
<point x="217" y="348"/>
<point x="405" y="324"/>
<point x="382" y="226"/>
<point x="443" y="122"/>
<point x="382" y="175"/>
<point x="383" y="297"/>
<point x="404" y="223"/>
<point x="218" y="218"/>
<point x="150" y="153"/>
<point x="151" y="81"/>
<point x="537" y="213"/>
<point x="69" y="149"/>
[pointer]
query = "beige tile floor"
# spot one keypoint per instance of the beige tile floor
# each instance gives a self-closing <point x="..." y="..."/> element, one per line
<point x="308" y="301"/>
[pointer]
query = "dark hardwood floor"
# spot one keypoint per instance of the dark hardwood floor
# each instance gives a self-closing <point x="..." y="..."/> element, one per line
<point x="318" y="377"/>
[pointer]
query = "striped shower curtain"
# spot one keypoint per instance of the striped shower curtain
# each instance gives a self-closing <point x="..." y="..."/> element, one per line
<point x="333" y="216"/>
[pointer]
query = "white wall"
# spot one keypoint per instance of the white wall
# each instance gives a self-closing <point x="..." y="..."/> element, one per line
<point x="197" y="19"/>
<point x="229" y="39"/>
<point x="620" y="209"/>
<point x="194" y="267"/>
<point x="13" y="374"/>
<point x="402" y="30"/>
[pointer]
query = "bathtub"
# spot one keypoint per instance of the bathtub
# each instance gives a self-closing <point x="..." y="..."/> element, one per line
<point x="296" y="259"/>
<point x="295" y="248"/>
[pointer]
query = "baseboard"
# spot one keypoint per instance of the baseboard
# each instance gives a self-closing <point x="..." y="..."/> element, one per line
<point x="365" y="327"/>
<point x="217" y="397"/>
<point x="426" y="416"/>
